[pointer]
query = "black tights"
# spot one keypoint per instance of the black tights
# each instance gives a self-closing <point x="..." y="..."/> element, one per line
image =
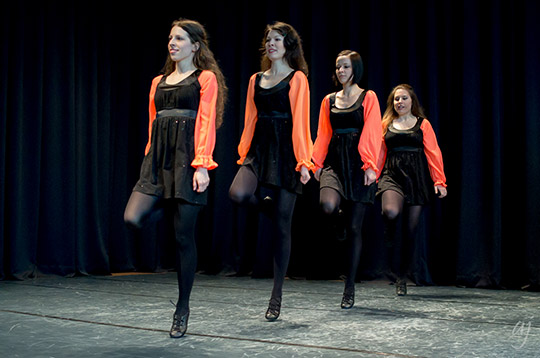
<point x="330" y="201"/>
<point x="243" y="192"/>
<point x="142" y="208"/>
<point x="399" y="244"/>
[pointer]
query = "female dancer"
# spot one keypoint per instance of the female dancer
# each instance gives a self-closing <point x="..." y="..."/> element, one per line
<point x="186" y="106"/>
<point x="412" y="156"/>
<point x="345" y="155"/>
<point x="275" y="148"/>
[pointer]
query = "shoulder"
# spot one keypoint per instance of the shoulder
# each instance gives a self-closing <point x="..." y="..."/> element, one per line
<point x="299" y="76"/>
<point x="155" y="83"/>
<point x="424" y="124"/>
<point x="370" y="94"/>
<point x="156" y="79"/>
<point x="330" y="97"/>
<point x="206" y="76"/>
<point x="254" y="76"/>
<point x="370" y="97"/>
<point x="299" y="80"/>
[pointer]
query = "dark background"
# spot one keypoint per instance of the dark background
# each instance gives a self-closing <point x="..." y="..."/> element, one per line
<point x="74" y="86"/>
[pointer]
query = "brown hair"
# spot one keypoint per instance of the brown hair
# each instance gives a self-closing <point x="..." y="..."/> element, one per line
<point x="204" y="60"/>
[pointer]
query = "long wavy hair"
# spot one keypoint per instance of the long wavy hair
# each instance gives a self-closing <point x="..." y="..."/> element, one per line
<point x="294" y="53"/>
<point x="204" y="60"/>
<point x="356" y="63"/>
<point x="390" y="113"/>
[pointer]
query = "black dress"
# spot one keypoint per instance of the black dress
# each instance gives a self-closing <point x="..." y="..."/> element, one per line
<point x="342" y="169"/>
<point x="166" y="170"/>
<point x="271" y="154"/>
<point x="406" y="170"/>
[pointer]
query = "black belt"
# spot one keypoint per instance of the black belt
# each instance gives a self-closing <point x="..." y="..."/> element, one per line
<point x="345" y="130"/>
<point x="177" y="113"/>
<point x="405" y="149"/>
<point x="274" y="114"/>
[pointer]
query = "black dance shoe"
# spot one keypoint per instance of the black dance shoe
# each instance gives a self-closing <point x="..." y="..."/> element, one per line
<point x="347" y="301"/>
<point x="401" y="287"/>
<point x="179" y="325"/>
<point x="274" y="307"/>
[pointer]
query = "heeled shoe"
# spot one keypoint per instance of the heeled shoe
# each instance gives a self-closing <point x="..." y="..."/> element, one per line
<point x="274" y="308"/>
<point x="179" y="325"/>
<point x="347" y="301"/>
<point x="401" y="287"/>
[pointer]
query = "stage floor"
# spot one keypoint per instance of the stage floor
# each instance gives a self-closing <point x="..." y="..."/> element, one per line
<point x="130" y="315"/>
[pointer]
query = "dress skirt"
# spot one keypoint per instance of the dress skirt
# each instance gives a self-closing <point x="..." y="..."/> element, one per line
<point x="166" y="170"/>
<point x="343" y="168"/>
<point x="271" y="155"/>
<point x="406" y="172"/>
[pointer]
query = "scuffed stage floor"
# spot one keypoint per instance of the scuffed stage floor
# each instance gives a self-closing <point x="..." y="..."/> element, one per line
<point x="129" y="316"/>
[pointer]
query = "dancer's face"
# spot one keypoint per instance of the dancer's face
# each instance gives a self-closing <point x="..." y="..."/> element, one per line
<point x="344" y="71"/>
<point x="275" y="46"/>
<point x="402" y="102"/>
<point x="180" y="45"/>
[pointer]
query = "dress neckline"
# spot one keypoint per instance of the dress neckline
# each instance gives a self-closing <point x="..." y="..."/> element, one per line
<point x="196" y="72"/>
<point x="352" y="105"/>
<point x="286" y="78"/>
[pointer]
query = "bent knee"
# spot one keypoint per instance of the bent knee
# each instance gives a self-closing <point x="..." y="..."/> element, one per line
<point x="236" y="197"/>
<point x="390" y="213"/>
<point x="132" y="221"/>
<point x="327" y="208"/>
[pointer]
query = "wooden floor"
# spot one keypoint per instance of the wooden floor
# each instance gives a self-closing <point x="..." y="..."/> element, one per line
<point x="130" y="315"/>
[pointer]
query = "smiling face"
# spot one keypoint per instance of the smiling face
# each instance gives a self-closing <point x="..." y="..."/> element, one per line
<point x="275" y="46"/>
<point x="402" y="102"/>
<point x="344" y="70"/>
<point x="180" y="45"/>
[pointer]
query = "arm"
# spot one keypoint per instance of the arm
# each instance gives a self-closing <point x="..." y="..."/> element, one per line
<point x="324" y="135"/>
<point x="434" y="157"/>
<point x="151" y="111"/>
<point x="382" y="157"/>
<point x="205" y="123"/>
<point x="250" y="120"/>
<point x="370" y="142"/>
<point x="301" y="136"/>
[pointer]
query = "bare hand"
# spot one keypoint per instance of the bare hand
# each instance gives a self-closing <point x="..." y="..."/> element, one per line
<point x="201" y="180"/>
<point x="304" y="175"/>
<point x="317" y="174"/>
<point x="369" y="176"/>
<point x="441" y="190"/>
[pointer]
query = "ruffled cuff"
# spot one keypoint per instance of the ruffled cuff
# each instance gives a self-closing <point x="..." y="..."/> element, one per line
<point x="240" y="161"/>
<point x="204" y="161"/>
<point x="316" y="167"/>
<point x="308" y="164"/>
<point x="371" y="165"/>
<point x="440" y="183"/>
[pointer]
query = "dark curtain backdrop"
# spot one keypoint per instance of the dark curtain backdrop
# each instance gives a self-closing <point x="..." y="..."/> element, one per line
<point x="74" y="89"/>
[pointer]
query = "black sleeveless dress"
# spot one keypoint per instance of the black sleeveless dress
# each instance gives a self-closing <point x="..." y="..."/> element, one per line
<point x="406" y="170"/>
<point x="166" y="170"/>
<point x="271" y="154"/>
<point x="342" y="169"/>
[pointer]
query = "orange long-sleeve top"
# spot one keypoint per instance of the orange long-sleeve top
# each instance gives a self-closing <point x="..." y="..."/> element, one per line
<point x="205" y="122"/>
<point x="301" y="134"/>
<point x="370" y="142"/>
<point x="432" y="151"/>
